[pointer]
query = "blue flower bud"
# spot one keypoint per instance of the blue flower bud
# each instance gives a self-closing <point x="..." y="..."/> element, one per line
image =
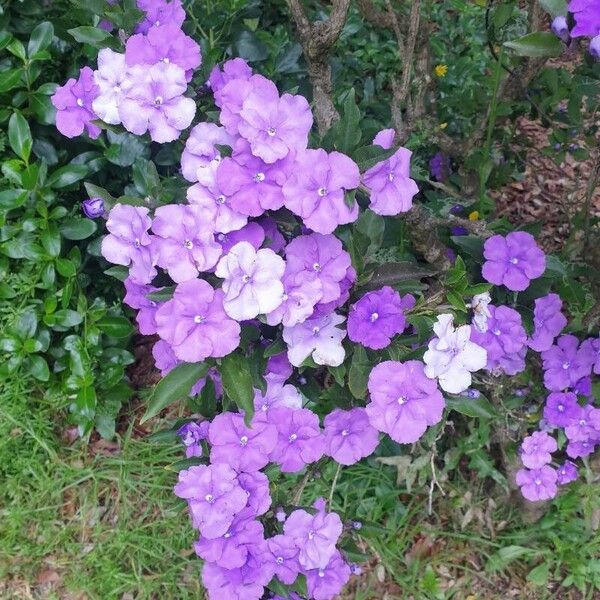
<point x="560" y="28"/>
<point x="93" y="208"/>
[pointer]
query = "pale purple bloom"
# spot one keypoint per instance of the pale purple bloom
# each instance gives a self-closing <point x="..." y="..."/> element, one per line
<point x="591" y="347"/>
<point x="215" y="203"/>
<point x="230" y="551"/>
<point x="110" y="78"/>
<point x="231" y="96"/>
<point x="314" y="535"/>
<point x="385" y="139"/>
<point x="319" y="257"/>
<point x="349" y="435"/>
<point x="191" y="435"/>
<point x="274" y="125"/>
<point x="319" y="338"/>
<point x="391" y="187"/>
<point x="299" y="442"/>
<point x="587" y="17"/>
<point x="481" y="312"/>
<point x="273" y="237"/>
<point x="504" y="339"/>
<point x="153" y="101"/>
<point x="537" y="484"/>
<point x="404" y="401"/>
<point x="201" y="157"/>
<point x="129" y="243"/>
<point x="513" y="260"/>
<point x="316" y="189"/>
<point x="324" y="308"/>
<point x="594" y="47"/>
<point x="160" y="12"/>
<point x="251" y="233"/>
<point x="566" y="363"/>
<point x="252" y="281"/>
<point x="279" y="368"/>
<point x="215" y="497"/>
<point x="567" y="472"/>
<point x="256" y="486"/>
<point x="586" y="427"/>
<point x="561" y="409"/>
<point x="285" y="558"/>
<point x="277" y="395"/>
<point x="136" y="296"/>
<point x="244" y="583"/>
<point x="301" y="292"/>
<point x="164" y="357"/>
<point x="93" y="208"/>
<point x="327" y="583"/>
<point x="584" y="386"/>
<point x="548" y="322"/>
<point x="167" y="44"/>
<point x="184" y="241"/>
<point x="580" y="449"/>
<point x="236" y="68"/>
<point x="194" y="323"/>
<point x="560" y="28"/>
<point x="73" y="103"/>
<point x="244" y="448"/>
<point x="537" y="449"/>
<point x="377" y="317"/>
<point x="451" y="356"/>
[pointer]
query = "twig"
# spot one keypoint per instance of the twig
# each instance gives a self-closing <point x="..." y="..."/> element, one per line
<point x="587" y="207"/>
<point x="298" y="493"/>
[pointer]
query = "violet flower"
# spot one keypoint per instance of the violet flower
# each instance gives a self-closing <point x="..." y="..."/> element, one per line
<point x="566" y="363"/>
<point x="212" y="200"/>
<point x="327" y="583"/>
<point x="537" y="449"/>
<point x="236" y="68"/>
<point x="285" y="558"/>
<point x="537" y="484"/>
<point x="561" y="409"/>
<point x="587" y="17"/>
<point x="349" y="435"/>
<point x="548" y="322"/>
<point x="136" y="296"/>
<point x="93" y="208"/>
<point x="567" y="473"/>
<point x="256" y="486"/>
<point x="160" y="12"/>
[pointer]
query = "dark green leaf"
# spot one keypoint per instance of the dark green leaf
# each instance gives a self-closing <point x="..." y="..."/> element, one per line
<point x="37" y="367"/>
<point x="368" y="156"/>
<point x="472" y="407"/>
<point x="50" y="239"/>
<point x="538" y="44"/>
<point x="67" y="175"/>
<point x="10" y="79"/>
<point x="40" y="39"/>
<point x="360" y="367"/>
<point x="117" y="327"/>
<point x="78" y="228"/>
<point x="555" y="8"/>
<point x="10" y="199"/>
<point x="237" y="383"/>
<point x="19" y="136"/>
<point x="175" y="386"/>
<point x="346" y="131"/>
<point x="250" y="48"/>
<point x="90" y="35"/>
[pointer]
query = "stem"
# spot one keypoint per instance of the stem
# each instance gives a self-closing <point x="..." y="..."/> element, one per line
<point x="334" y="483"/>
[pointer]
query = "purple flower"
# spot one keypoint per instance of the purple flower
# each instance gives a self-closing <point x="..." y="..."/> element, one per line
<point x="504" y="340"/>
<point x="587" y="17"/>
<point x="167" y="44"/>
<point x="580" y="449"/>
<point x="252" y="185"/>
<point x="244" y="583"/>
<point x="110" y="77"/>
<point x="314" y="535"/>
<point x="567" y="473"/>
<point x="230" y="550"/>
<point x="349" y="435"/>
<point x="285" y="558"/>
<point x="184" y="241"/>
<point x="324" y="308"/>
<point x="153" y="101"/>
<point x="274" y="125"/>
<point x="244" y="448"/>
<point x="594" y="47"/>
<point x="191" y="435"/>
<point x="316" y="189"/>
<point x="560" y="28"/>
<point x="252" y="233"/>
<point x="404" y="401"/>
<point x="586" y="427"/>
<point x="439" y="167"/>
<point x="391" y="187"/>
<point x="537" y="484"/>
<point x="256" y="486"/>
<point x="136" y="296"/>
<point x="231" y="96"/>
<point x="212" y="200"/>
<point x="73" y="102"/>
<point x="194" y="323"/>
<point x="566" y="363"/>
<point x="536" y="449"/>
<point x="591" y="347"/>
<point x="327" y="583"/>
<point x="200" y="157"/>
<point x="129" y="243"/>
<point x="215" y="497"/>
<point x="273" y="237"/>
<point x="277" y="395"/>
<point x="252" y="281"/>
<point x="319" y="338"/>
<point x="301" y="292"/>
<point x="160" y="12"/>
<point x="93" y="208"/>
<point x="548" y="322"/>
<point x="278" y="369"/>
<point x="385" y="139"/>
<point x="377" y="317"/>
<point x="300" y="441"/>
<point x="561" y="409"/>
<point x="513" y="260"/>
<point x="236" y="68"/>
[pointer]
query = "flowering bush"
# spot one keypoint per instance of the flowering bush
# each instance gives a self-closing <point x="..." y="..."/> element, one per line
<point x="270" y="282"/>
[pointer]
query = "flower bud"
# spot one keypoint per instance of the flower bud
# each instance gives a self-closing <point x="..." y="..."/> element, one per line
<point x="560" y="28"/>
<point x="93" y="208"/>
<point x="595" y="47"/>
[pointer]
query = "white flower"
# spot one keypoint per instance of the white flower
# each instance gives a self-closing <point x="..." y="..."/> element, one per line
<point x="110" y="78"/>
<point x="452" y="357"/>
<point x="318" y="337"/>
<point x="252" y="283"/>
<point x="481" y="312"/>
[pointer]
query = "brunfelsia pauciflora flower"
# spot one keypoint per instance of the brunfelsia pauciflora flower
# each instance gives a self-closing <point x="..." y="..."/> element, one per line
<point x="237" y="267"/>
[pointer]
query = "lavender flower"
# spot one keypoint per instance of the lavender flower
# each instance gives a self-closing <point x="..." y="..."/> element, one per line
<point x="439" y="167"/>
<point x="236" y="68"/>
<point x="404" y="401"/>
<point x="212" y="200"/>
<point x="136" y="296"/>
<point x="536" y="449"/>
<point x="276" y="395"/>
<point x="567" y="473"/>
<point x="301" y="292"/>
<point x="537" y="484"/>
<point x="481" y="312"/>
<point x="191" y="435"/>
<point x="110" y="78"/>
<point x="561" y="409"/>
<point x="587" y="17"/>
<point x="349" y="435"/>
<point x="560" y="28"/>
<point x="591" y="348"/>
<point x="548" y="322"/>
<point x="513" y="260"/>
<point x="385" y="138"/>
<point x="285" y="558"/>
<point x="256" y="486"/>
<point x="160" y="12"/>
<point x="377" y="317"/>
<point x="93" y="208"/>
<point x="566" y="363"/>
<point x="252" y="233"/>
<point x="327" y="583"/>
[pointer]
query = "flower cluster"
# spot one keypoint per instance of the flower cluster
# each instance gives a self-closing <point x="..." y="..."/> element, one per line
<point x="586" y="15"/>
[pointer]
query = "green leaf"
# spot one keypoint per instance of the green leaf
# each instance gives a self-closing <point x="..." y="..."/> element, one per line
<point x="368" y="156"/>
<point x="10" y="199"/>
<point x="10" y="79"/>
<point x="373" y="227"/>
<point x="539" y="574"/>
<point x="94" y="36"/>
<point x="537" y="45"/>
<point x="78" y="228"/>
<point x="16" y="47"/>
<point x="556" y="8"/>
<point x="346" y="131"/>
<point x="65" y="267"/>
<point x="360" y="367"/>
<point x="502" y="14"/>
<point x="37" y="367"/>
<point x="472" y="407"/>
<point x="19" y="136"/>
<point x="67" y="175"/>
<point x="114" y="326"/>
<point x="237" y="383"/>
<point x="40" y="39"/>
<point x="175" y="386"/>
<point x="50" y="239"/>
<point x="66" y="318"/>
